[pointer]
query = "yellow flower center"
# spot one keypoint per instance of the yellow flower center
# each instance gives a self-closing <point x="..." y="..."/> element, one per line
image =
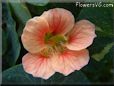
<point x="55" y="39"/>
<point x="55" y="44"/>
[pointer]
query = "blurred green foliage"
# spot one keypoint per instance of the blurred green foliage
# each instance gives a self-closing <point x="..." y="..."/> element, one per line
<point x="11" y="44"/>
<point x="16" y="74"/>
<point x="100" y="67"/>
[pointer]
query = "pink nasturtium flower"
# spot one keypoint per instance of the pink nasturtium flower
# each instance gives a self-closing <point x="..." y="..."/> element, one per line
<point x="56" y="44"/>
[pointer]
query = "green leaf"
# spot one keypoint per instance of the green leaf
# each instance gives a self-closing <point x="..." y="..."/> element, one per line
<point x="100" y="32"/>
<point x="20" y="10"/>
<point x="100" y="72"/>
<point x="98" y="47"/>
<point x="99" y="43"/>
<point x="99" y="56"/>
<point x="4" y="41"/>
<point x="101" y="17"/>
<point x="76" y="78"/>
<point x="16" y="74"/>
<point x="37" y="2"/>
<point x="20" y="29"/>
<point x="13" y="46"/>
<point x="22" y="14"/>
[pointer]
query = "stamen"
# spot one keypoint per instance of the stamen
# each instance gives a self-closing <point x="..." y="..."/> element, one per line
<point x="55" y="44"/>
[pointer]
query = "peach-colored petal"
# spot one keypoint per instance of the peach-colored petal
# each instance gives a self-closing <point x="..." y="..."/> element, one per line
<point x="69" y="61"/>
<point x="81" y="36"/>
<point x="33" y="34"/>
<point x="37" y="65"/>
<point x="60" y="20"/>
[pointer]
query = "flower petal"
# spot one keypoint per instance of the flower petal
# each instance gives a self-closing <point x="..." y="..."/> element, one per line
<point x="69" y="61"/>
<point x="33" y="34"/>
<point x="37" y="65"/>
<point x="81" y="36"/>
<point x="60" y="20"/>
